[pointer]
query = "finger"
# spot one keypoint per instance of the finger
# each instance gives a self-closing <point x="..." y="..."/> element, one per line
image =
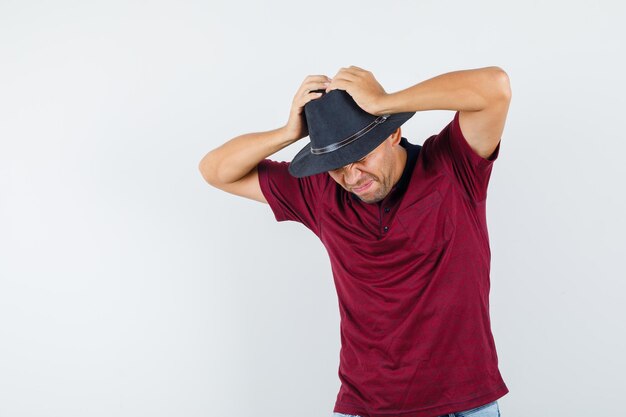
<point x="338" y="84"/>
<point x="312" y="96"/>
<point x="348" y="72"/>
<point x="316" y="83"/>
<point x="315" y="86"/>
<point x="346" y="75"/>
<point x="308" y="97"/>
<point x="315" y="78"/>
<point x="315" y="89"/>
<point x="357" y="69"/>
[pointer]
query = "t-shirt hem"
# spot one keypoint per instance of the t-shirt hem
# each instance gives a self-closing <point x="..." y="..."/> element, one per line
<point x="430" y="411"/>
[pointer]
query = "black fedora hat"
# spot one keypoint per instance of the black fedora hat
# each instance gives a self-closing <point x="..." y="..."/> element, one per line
<point x="341" y="133"/>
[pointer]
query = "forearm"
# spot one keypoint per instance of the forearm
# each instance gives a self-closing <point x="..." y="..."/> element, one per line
<point x="466" y="90"/>
<point x="236" y="158"/>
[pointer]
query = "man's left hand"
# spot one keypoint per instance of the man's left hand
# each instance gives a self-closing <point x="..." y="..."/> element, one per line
<point x="362" y="86"/>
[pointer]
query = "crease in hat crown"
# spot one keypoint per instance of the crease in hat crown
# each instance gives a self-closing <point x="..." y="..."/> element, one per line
<point x="335" y="120"/>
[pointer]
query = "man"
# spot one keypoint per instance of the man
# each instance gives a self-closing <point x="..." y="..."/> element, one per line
<point x="404" y="226"/>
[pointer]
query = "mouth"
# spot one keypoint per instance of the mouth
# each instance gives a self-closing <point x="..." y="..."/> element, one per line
<point x="363" y="188"/>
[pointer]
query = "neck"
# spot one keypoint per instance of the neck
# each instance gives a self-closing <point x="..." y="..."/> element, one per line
<point x="401" y="163"/>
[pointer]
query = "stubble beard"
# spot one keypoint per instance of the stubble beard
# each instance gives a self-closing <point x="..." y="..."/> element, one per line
<point x="379" y="194"/>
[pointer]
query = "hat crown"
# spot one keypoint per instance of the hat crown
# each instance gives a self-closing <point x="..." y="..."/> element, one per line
<point x="340" y="133"/>
<point x="334" y="118"/>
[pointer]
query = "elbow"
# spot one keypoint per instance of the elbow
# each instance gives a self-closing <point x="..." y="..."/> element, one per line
<point x="501" y="84"/>
<point x="206" y="170"/>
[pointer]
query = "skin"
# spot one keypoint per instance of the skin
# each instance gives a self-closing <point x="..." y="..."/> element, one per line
<point x="381" y="169"/>
<point x="481" y="96"/>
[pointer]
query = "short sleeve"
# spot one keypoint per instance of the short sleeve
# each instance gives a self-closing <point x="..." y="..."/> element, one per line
<point x="450" y="151"/>
<point x="291" y="198"/>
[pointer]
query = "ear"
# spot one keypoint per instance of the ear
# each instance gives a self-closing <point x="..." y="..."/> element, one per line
<point x="396" y="137"/>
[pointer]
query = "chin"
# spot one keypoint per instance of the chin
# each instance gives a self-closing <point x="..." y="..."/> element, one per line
<point x="371" y="198"/>
<point x="372" y="201"/>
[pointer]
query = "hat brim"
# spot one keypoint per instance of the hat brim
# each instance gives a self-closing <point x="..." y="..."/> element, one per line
<point x="306" y="163"/>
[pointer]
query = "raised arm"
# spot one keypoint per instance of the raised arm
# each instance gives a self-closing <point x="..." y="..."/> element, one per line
<point x="232" y="167"/>
<point x="481" y="96"/>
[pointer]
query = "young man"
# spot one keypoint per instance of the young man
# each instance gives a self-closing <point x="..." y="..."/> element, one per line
<point x="404" y="226"/>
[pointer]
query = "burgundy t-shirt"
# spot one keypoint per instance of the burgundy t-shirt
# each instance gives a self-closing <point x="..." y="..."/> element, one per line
<point x="412" y="279"/>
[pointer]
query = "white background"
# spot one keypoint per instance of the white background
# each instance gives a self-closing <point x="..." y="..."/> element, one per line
<point x="129" y="287"/>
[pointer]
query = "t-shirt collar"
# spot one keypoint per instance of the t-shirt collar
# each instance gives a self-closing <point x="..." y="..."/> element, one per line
<point x="411" y="156"/>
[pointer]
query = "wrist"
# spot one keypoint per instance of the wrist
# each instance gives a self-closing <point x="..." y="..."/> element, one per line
<point x="287" y="135"/>
<point x="384" y="105"/>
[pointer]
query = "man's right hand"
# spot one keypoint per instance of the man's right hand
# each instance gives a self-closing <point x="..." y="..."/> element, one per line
<point x="296" y="127"/>
<point x="233" y="166"/>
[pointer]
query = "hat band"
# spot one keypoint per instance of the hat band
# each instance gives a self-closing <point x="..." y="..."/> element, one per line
<point x="352" y="138"/>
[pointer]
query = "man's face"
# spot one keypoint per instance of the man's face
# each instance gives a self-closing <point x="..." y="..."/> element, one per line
<point x="372" y="177"/>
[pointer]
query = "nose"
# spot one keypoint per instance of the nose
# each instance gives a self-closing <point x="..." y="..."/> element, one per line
<point x="351" y="175"/>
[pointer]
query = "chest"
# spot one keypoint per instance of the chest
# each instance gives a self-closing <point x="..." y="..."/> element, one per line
<point x="402" y="230"/>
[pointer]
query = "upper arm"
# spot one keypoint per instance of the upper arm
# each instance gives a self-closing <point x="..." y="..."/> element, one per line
<point x="247" y="187"/>
<point x="483" y="129"/>
<point x="292" y="198"/>
<point x="450" y="152"/>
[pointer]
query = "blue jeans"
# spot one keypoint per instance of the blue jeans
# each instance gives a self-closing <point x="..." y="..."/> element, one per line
<point x="487" y="410"/>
